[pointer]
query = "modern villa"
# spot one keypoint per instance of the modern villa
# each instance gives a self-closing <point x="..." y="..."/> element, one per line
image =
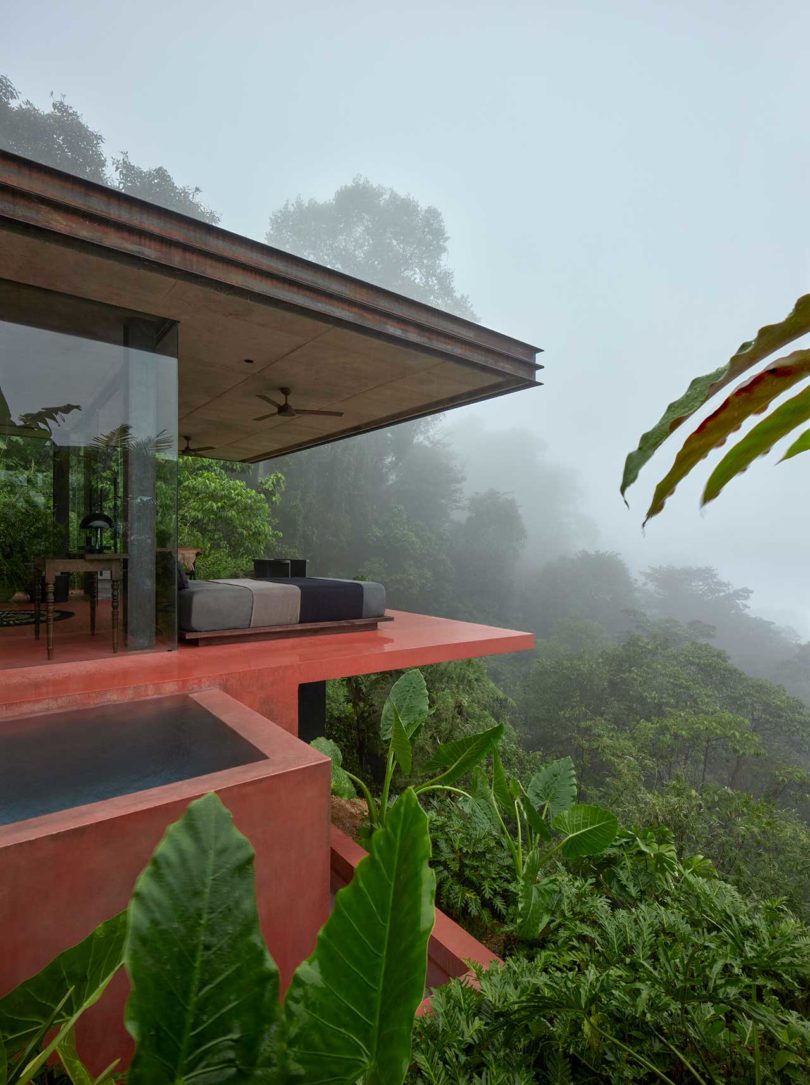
<point x="131" y="335"/>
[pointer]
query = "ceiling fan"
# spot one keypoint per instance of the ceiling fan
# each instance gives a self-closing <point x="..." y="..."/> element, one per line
<point x="189" y="451"/>
<point x="286" y="409"/>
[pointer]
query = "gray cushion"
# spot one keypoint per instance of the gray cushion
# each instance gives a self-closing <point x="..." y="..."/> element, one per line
<point x="205" y="606"/>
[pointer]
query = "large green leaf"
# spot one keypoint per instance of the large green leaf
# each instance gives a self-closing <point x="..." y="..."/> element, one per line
<point x="409" y="696"/>
<point x="341" y="784"/>
<point x="204" y="987"/>
<point x="500" y="785"/>
<point x="351" y="1006"/>
<point x="451" y="761"/>
<point x="401" y="745"/>
<point x="752" y="397"/>
<point x="70" y="984"/>
<point x="588" y="830"/>
<point x="479" y="805"/>
<point x="758" y="442"/>
<point x="537" y="903"/>
<point x="700" y="391"/>
<point x="554" y="786"/>
<point x="75" y="1068"/>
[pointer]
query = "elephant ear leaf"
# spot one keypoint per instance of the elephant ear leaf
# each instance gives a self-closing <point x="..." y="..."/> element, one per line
<point x="350" y="1009"/>
<point x="204" y="987"/>
<point x="587" y="830"/>
<point x="700" y="391"/>
<point x="58" y="995"/>
<point x="750" y="398"/>
<point x="537" y="904"/>
<point x="409" y="698"/>
<point x="757" y="443"/>
<point x="554" y="787"/>
<point x="451" y="761"/>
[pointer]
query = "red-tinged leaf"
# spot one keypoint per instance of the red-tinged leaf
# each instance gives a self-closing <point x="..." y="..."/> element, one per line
<point x="758" y="442"/>
<point x="768" y="339"/>
<point x="750" y="398"/>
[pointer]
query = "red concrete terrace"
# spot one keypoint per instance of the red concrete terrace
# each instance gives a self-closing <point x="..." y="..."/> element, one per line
<point x="264" y="675"/>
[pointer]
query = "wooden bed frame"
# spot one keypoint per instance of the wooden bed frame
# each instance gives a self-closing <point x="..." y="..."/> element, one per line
<point x="279" y="632"/>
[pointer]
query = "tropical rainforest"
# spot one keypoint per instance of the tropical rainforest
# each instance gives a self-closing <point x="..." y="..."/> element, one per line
<point x="677" y="952"/>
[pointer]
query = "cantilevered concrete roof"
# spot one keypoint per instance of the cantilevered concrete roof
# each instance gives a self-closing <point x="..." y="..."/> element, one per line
<point x="338" y="343"/>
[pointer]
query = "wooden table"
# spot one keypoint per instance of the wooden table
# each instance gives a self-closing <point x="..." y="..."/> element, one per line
<point x="88" y="563"/>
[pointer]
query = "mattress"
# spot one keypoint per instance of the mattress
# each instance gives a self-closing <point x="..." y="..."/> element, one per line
<point x="208" y="605"/>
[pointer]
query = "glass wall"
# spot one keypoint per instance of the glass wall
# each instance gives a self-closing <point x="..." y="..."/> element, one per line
<point x="88" y="474"/>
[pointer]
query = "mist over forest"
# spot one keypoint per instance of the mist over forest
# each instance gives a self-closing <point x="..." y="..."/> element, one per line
<point x="637" y="244"/>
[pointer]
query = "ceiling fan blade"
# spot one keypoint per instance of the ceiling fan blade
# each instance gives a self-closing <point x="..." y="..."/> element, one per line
<point x="262" y="417"/>
<point x="329" y="414"/>
<point x="205" y="448"/>
<point x="267" y="399"/>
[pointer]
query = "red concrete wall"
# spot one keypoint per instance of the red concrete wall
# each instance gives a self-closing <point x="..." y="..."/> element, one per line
<point x="62" y="874"/>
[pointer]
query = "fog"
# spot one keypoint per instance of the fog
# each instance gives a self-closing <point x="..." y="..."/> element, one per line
<point x="624" y="185"/>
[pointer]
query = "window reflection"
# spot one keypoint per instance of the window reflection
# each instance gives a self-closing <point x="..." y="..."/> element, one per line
<point x="88" y="464"/>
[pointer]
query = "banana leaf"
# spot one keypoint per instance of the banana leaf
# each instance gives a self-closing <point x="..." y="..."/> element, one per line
<point x="768" y="339"/>
<point x="757" y="443"/>
<point x="752" y="397"/>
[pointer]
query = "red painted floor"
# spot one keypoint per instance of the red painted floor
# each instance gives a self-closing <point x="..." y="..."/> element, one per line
<point x="72" y="639"/>
<point x="262" y="674"/>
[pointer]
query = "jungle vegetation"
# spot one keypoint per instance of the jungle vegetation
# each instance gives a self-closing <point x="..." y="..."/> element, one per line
<point x="679" y="951"/>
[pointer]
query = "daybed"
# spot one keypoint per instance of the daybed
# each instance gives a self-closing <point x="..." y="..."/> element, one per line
<point x="209" y="610"/>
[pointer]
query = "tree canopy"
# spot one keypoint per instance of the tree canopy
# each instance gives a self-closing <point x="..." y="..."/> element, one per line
<point x="60" y="137"/>
<point x="376" y="234"/>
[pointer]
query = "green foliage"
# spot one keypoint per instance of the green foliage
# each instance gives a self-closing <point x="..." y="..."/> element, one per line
<point x="380" y="507"/>
<point x="651" y="708"/>
<point x="156" y="185"/>
<point x="350" y="1007"/>
<point x="204" y="988"/>
<point x="403" y="716"/>
<point x="485" y="547"/>
<point x="474" y="873"/>
<point x="553" y="789"/>
<point x="586" y="829"/>
<point x="694" y="984"/>
<point x="375" y="234"/>
<point x="223" y="516"/>
<point x="60" y="137"/>
<point x="27" y="530"/>
<point x="37" y="1018"/>
<point x="342" y="785"/>
<point x="408" y="703"/>
<point x="760" y="848"/>
<point x="754" y="397"/>
<point x="204" y="1002"/>
<point x="463" y="701"/>
<point x="751" y="397"/>
<point x="528" y="830"/>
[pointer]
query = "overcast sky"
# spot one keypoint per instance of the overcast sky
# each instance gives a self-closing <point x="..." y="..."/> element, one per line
<point x="625" y="184"/>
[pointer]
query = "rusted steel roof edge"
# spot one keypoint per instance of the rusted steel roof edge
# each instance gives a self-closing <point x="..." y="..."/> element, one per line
<point x="39" y="196"/>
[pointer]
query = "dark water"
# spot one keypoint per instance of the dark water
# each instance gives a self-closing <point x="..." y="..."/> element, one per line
<point x="67" y="759"/>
